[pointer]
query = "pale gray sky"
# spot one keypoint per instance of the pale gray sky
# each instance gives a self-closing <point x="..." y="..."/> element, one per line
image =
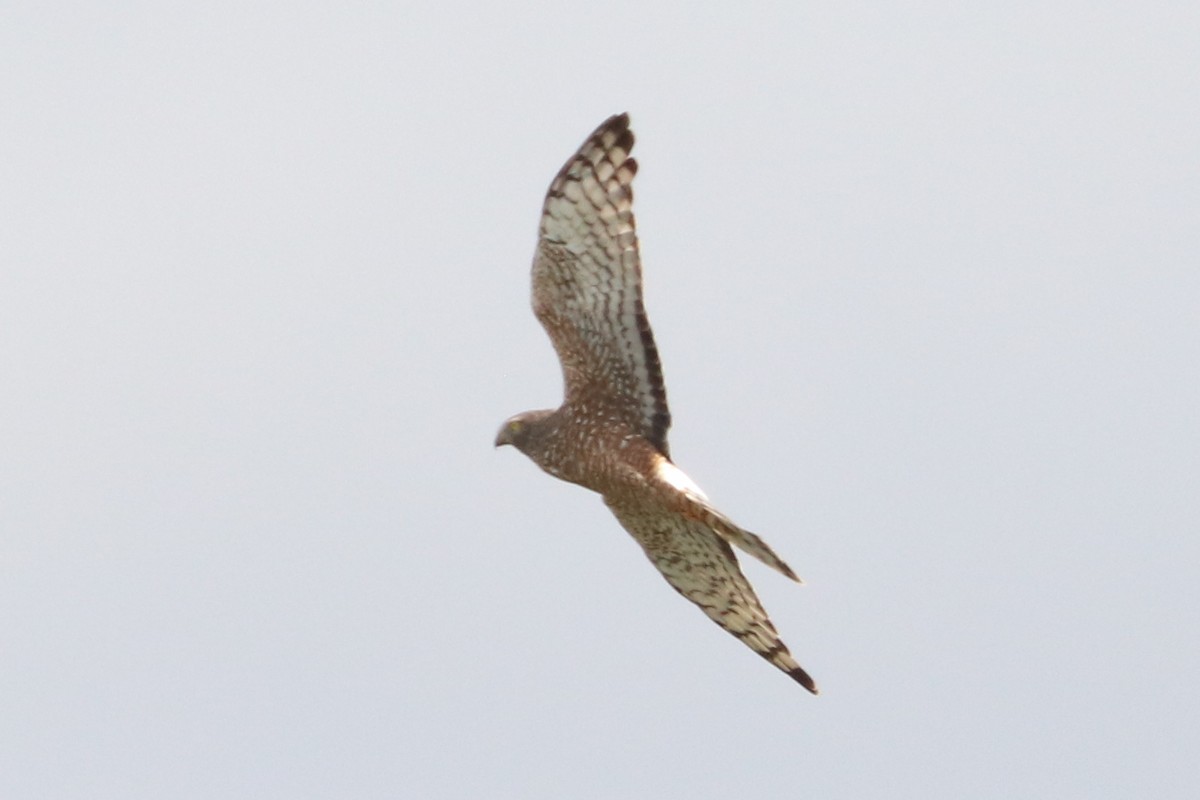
<point x="925" y="283"/>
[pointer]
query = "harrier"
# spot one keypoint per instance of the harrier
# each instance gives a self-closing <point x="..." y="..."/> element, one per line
<point x="610" y="433"/>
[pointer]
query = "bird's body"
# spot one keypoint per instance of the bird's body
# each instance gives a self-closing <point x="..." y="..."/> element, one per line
<point x="610" y="433"/>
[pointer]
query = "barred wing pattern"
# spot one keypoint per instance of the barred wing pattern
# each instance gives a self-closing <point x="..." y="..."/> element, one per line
<point x="610" y="434"/>
<point x="701" y="566"/>
<point x="587" y="287"/>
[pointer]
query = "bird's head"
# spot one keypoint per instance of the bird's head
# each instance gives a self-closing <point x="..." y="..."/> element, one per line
<point x="518" y="430"/>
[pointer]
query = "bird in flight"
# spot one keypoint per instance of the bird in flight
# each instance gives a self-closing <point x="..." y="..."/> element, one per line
<point x="610" y="433"/>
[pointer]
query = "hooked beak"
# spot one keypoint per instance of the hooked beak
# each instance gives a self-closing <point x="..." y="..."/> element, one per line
<point x="504" y="436"/>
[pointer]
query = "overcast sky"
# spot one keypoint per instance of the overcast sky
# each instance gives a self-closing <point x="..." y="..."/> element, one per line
<point x="925" y="282"/>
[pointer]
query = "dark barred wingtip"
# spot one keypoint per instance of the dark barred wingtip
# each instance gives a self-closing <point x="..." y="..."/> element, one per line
<point x="616" y="122"/>
<point x="804" y="679"/>
<point x="785" y="663"/>
<point x="618" y="125"/>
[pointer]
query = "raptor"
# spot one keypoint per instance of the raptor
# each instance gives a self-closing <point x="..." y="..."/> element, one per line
<point x="610" y="433"/>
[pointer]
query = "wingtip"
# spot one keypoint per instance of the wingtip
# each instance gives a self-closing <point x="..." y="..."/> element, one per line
<point x="617" y="123"/>
<point x="804" y="679"/>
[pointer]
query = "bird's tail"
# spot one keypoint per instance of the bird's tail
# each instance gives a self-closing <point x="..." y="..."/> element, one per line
<point x="744" y="540"/>
<point x="696" y="505"/>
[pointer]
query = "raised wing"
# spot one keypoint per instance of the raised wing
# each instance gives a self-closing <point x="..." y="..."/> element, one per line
<point x="587" y="288"/>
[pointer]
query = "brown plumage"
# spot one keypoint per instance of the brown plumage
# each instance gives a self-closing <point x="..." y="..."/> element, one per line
<point x="610" y="433"/>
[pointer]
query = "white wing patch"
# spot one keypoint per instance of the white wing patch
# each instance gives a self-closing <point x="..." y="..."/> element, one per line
<point x="746" y="541"/>
<point x="679" y="479"/>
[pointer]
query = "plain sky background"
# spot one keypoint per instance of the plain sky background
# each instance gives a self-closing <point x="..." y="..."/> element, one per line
<point x="925" y="279"/>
